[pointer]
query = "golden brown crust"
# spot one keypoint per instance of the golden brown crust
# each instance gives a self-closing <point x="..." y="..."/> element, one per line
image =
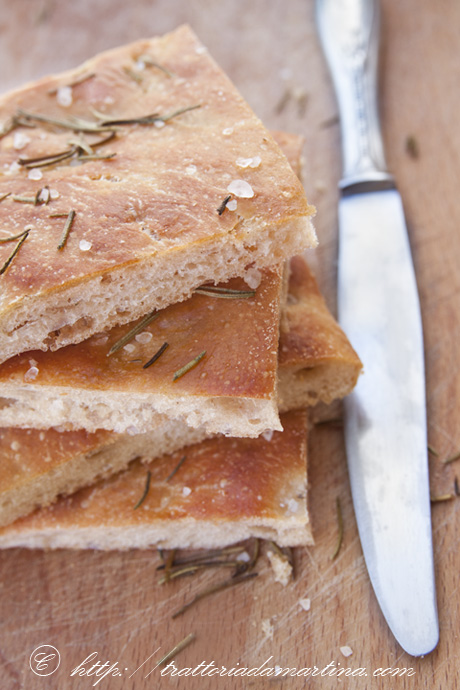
<point x="227" y="482"/>
<point x="158" y="196"/>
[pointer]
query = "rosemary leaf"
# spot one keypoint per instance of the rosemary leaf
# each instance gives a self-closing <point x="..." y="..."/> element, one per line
<point x="441" y="498"/>
<point x="223" y="205"/>
<point x="15" y="251"/>
<point x="50" y="159"/>
<point x="146" y="490"/>
<point x="96" y="157"/>
<point x="178" y="648"/>
<point x="133" y="75"/>
<point x="67" y="228"/>
<point x="58" y="215"/>
<point x="182" y="571"/>
<point x="24" y="117"/>
<point x="169" y="564"/>
<point x="76" y="82"/>
<point x="340" y="535"/>
<point x="183" y="370"/>
<point x="224" y="293"/>
<point x="180" y="111"/>
<point x="147" y="60"/>
<point x="433" y="451"/>
<point x="456" y="487"/>
<point x="5" y="196"/>
<point x="177" y="468"/>
<point x="24" y="199"/>
<point x="133" y="332"/>
<point x="206" y="556"/>
<point x="156" y="356"/>
<point x="453" y="458"/>
<point x="213" y="590"/>
<point x="13" y="237"/>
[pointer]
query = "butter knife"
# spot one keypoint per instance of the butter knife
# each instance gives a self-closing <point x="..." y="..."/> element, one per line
<point x="385" y="417"/>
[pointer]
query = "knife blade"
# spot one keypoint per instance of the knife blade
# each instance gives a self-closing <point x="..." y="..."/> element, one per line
<point x="378" y="303"/>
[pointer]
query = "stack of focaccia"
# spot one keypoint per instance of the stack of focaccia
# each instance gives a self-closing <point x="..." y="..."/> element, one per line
<point x="154" y="317"/>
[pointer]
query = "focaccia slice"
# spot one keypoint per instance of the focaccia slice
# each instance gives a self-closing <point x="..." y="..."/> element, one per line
<point x="231" y="390"/>
<point x="225" y="490"/>
<point x="37" y="466"/>
<point x="144" y="144"/>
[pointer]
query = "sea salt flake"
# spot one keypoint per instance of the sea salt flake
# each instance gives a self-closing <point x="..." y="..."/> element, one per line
<point x="140" y="65"/>
<point x="144" y="337"/>
<point x="232" y="205"/>
<point x="159" y="123"/>
<point x="186" y="491"/>
<point x="20" y="140"/>
<point x="227" y="131"/>
<point x="54" y="194"/>
<point x="64" y="96"/>
<point x="31" y="374"/>
<point x="15" y="445"/>
<point x="129" y="348"/>
<point x="85" y="246"/>
<point x="191" y="169"/>
<point x="268" y="435"/>
<point x="252" y="278"/>
<point x="346" y="650"/>
<point x="35" y="174"/>
<point x="241" y="189"/>
<point x="305" y="604"/>
<point x="249" y="162"/>
<point x="244" y="557"/>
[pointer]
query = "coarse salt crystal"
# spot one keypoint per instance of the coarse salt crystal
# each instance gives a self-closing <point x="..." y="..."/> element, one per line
<point x="64" y="96"/>
<point x="346" y="650"/>
<point x="232" y="205"/>
<point x="54" y="194"/>
<point x="31" y="374"/>
<point x="241" y="188"/>
<point x="85" y="246"/>
<point x="191" y="169"/>
<point x="268" y="434"/>
<point x="159" y="123"/>
<point x="140" y="65"/>
<point x="15" y="445"/>
<point x="129" y="348"/>
<point x="35" y="174"/>
<point x="244" y="557"/>
<point x="44" y="195"/>
<point x="109" y="100"/>
<point x="144" y="337"/>
<point x="305" y="604"/>
<point x="42" y="436"/>
<point x="20" y="140"/>
<point x="186" y="491"/>
<point x="227" y="131"/>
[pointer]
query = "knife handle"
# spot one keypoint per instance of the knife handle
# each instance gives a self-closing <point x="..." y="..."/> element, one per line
<point x="349" y="32"/>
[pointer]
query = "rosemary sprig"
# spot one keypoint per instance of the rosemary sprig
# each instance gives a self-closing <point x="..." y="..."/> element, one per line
<point x="213" y="590"/>
<point x="183" y="370"/>
<point x="5" y="196"/>
<point x="14" y="252"/>
<point x="223" y="205"/>
<point x="156" y="356"/>
<point x="50" y="159"/>
<point x="143" y="323"/>
<point x="224" y="293"/>
<point x="340" y="535"/>
<point x="178" y="648"/>
<point x="67" y="228"/>
<point x="96" y="156"/>
<point x="177" y="468"/>
<point x="146" y="490"/>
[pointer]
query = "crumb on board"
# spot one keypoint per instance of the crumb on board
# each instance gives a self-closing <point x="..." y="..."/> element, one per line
<point x="346" y="650"/>
<point x="281" y="567"/>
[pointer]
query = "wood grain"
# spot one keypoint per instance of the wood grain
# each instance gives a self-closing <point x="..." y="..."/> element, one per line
<point x="110" y="603"/>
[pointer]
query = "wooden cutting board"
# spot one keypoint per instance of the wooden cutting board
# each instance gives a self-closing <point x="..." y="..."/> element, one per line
<point x="111" y="604"/>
